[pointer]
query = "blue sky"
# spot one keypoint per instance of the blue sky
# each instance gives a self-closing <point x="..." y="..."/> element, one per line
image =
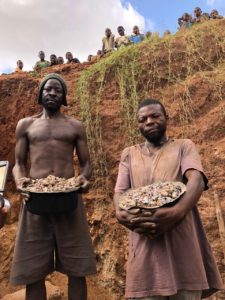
<point x="58" y="26"/>
<point x="164" y="13"/>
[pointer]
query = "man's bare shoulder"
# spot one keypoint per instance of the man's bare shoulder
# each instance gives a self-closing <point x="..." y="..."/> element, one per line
<point x="76" y="123"/>
<point x="24" y="123"/>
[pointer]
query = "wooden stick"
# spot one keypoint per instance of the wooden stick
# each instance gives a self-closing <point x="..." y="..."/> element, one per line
<point x="221" y="224"/>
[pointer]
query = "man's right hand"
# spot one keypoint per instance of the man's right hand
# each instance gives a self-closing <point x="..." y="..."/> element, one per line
<point x="20" y="185"/>
<point x="125" y="217"/>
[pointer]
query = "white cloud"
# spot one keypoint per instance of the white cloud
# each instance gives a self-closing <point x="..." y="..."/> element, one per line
<point x="56" y="26"/>
<point x="213" y="2"/>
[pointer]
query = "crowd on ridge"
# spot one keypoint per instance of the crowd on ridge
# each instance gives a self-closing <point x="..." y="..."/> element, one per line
<point x="187" y="20"/>
<point x="43" y="63"/>
<point x="111" y="43"/>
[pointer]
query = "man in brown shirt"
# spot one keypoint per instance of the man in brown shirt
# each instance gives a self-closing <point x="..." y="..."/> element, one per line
<point x="108" y="42"/>
<point x="60" y="241"/>
<point x="169" y="255"/>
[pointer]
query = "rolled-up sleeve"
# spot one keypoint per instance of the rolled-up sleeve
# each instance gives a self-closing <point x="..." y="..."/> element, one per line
<point x="191" y="160"/>
<point x="123" y="179"/>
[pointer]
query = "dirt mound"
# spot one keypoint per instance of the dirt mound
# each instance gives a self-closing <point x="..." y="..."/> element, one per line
<point x="186" y="72"/>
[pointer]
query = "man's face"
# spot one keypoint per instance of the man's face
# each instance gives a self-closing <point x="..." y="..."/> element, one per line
<point x="197" y="12"/>
<point x="89" y="57"/>
<point x="53" y="59"/>
<point x="186" y="17"/>
<point x="20" y="64"/>
<point x="152" y="122"/>
<point x="52" y="95"/>
<point x="41" y="55"/>
<point x="69" y="56"/>
<point x="121" y="31"/>
<point x="108" y="32"/>
<point x="136" y="30"/>
<point x="214" y="14"/>
<point x="60" y="60"/>
<point x="148" y="34"/>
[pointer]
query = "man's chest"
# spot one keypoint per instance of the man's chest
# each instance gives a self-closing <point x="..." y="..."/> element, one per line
<point x="163" y="165"/>
<point x="48" y="131"/>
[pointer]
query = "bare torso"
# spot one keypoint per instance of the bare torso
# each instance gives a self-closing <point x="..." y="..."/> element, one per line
<point x="51" y="145"/>
<point x="49" y="140"/>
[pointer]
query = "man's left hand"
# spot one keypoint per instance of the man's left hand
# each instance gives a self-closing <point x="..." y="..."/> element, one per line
<point x="83" y="183"/>
<point x="160" y="221"/>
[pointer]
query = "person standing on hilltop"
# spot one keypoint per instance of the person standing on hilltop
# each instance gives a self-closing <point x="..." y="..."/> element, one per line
<point x="185" y="21"/>
<point x="42" y="63"/>
<point x="215" y="15"/>
<point x="59" y="241"/>
<point x="122" y="40"/>
<point x="53" y="60"/>
<point x="148" y="35"/>
<point x="199" y="17"/>
<point x="108" y="42"/>
<point x="136" y="37"/>
<point x="71" y="59"/>
<point x="60" y="60"/>
<point x="169" y="255"/>
<point x="19" y="66"/>
<point x="166" y="33"/>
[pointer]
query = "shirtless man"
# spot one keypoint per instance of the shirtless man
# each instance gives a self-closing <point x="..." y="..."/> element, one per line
<point x="54" y="242"/>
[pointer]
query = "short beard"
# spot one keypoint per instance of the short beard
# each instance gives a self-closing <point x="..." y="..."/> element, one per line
<point x="51" y="109"/>
<point x="154" y="138"/>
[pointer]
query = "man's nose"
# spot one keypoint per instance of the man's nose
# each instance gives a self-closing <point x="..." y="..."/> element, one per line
<point x="149" y="121"/>
<point x="52" y="92"/>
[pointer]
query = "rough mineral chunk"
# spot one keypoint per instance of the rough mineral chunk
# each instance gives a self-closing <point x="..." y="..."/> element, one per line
<point x="152" y="196"/>
<point x="51" y="184"/>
